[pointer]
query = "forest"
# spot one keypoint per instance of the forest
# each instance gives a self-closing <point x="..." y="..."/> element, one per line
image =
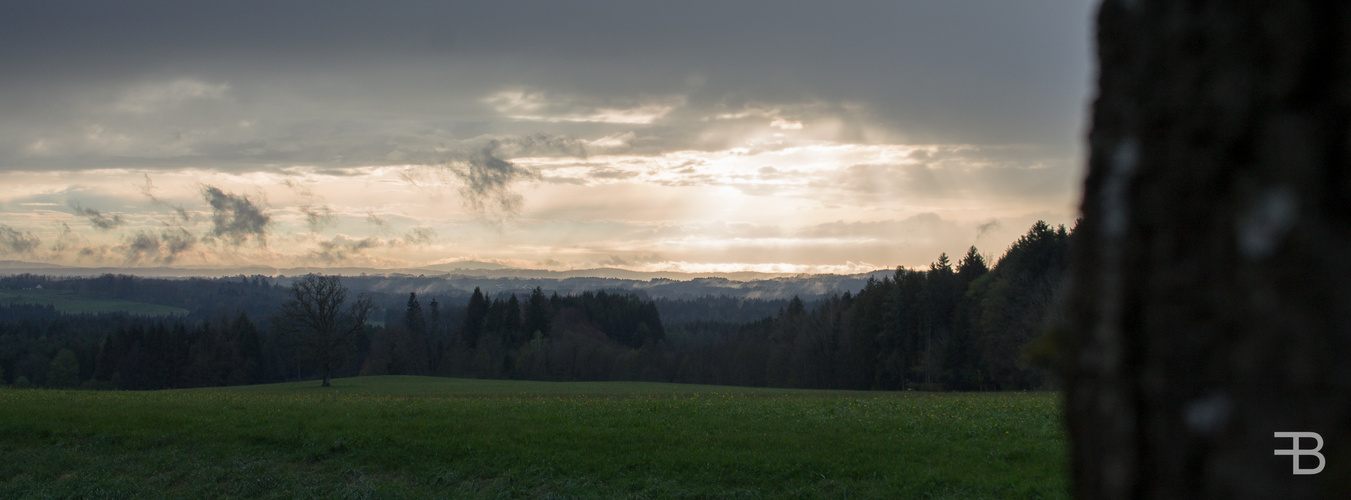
<point x="965" y="325"/>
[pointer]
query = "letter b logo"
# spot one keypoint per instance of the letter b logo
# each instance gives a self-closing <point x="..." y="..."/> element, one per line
<point x="1295" y="451"/>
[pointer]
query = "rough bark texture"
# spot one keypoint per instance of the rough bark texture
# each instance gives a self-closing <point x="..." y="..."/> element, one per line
<point x="1211" y="302"/>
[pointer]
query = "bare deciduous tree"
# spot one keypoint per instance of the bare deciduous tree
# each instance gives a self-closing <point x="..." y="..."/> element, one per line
<point x="317" y="323"/>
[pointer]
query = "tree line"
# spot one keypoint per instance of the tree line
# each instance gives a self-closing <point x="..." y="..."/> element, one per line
<point x="587" y="336"/>
<point x="40" y="347"/>
<point x="959" y="326"/>
<point x="962" y="327"/>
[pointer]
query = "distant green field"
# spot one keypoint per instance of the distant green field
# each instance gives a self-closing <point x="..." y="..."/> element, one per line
<point x="410" y="437"/>
<point x="71" y="302"/>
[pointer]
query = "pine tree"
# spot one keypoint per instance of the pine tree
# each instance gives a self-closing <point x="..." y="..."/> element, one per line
<point x="942" y="263"/>
<point x="511" y="327"/>
<point x="475" y="317"/>
<point x="537" y="313"/>
<point x="434" y="318"/>
<point x="972" y="266"/>
<point x="413" y="319"/>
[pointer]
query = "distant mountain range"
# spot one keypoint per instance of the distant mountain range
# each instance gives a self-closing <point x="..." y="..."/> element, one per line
<point x="458" y="278"/>
<point x="457" y="285"/>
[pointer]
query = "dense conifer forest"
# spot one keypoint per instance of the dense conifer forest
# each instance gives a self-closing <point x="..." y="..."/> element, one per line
<point x="963" y="325"/>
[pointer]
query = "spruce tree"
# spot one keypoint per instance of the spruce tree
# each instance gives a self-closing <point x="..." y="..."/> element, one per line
<point x="475" y="317"/>
<point x="537" y="313"/>
<point x="413" y="319"/>
<point x="972" y="266"/>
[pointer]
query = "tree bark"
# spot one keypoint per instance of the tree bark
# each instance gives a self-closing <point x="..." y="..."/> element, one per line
<point x="1211" y="287"/>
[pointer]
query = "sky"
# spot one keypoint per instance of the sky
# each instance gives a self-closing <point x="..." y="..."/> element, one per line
<point x="772" y="136"/>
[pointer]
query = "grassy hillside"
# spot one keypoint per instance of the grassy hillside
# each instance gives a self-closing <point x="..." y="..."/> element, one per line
<point x="70" y="302"/>
<point x="477" y="439"/>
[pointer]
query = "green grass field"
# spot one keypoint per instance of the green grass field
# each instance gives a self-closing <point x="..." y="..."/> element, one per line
<point x="411" y="437"/>
<point x="400" y="385"/>
<point x="71" y="302"/>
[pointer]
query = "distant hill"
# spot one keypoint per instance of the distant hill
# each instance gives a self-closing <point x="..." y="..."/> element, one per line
<point x="614" y="273"/>
<point x="455" y="278"/>
<point x="466" y="265"/>
<point x="521" y="282"/>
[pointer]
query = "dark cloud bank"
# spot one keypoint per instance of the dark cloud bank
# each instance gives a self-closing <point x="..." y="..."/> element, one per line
<point x="334" y="82"/>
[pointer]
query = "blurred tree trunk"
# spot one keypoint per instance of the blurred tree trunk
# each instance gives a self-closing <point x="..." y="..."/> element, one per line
<point x="1211" y="300"/>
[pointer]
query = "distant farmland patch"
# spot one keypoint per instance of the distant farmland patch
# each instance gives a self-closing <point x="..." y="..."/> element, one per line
<point x="71" y="302"/>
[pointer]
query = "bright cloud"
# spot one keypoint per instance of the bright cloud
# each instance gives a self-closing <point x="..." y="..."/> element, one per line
<point x="536" y="106"/>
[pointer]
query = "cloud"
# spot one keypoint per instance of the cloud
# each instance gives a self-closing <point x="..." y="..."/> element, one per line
<point x="985" y="227"/>
<point x="375" y="221"/>
<point x="64" y="241"/>
<point x="923" y="226"/>
<point x="235" y="218"/>
<point x="156" y="96"/>
<point x="889" y="180"/>
<point x="487" y="174"/>
<point x="164" y="247"/>
<point x="297" y="91"/>
<point x="343" y="247"/>
<point x="318" y="217"/>
<point x="148" y="190"/>
<point x="611" y="173"/>
<point x="317" y="214"/>
<point x="97" y="218"/>
<point x="142" y="246"/>
<point x="487" y="181"/>
<point x="419" y="236"/>
<point x="426" y="89"/>
<point x="613" y="141"/>
<point x="533" y="105"/>
<point x="176" y="241"/>
<point x="99" y="253"/>
<point x="14" y="242"/>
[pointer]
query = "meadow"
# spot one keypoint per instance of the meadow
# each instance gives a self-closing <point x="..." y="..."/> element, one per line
<point x="416" y="437"/>
<point x="71" y="302"/>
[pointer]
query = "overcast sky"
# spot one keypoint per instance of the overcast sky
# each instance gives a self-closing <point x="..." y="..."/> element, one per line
<point x="680" y="136"/>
